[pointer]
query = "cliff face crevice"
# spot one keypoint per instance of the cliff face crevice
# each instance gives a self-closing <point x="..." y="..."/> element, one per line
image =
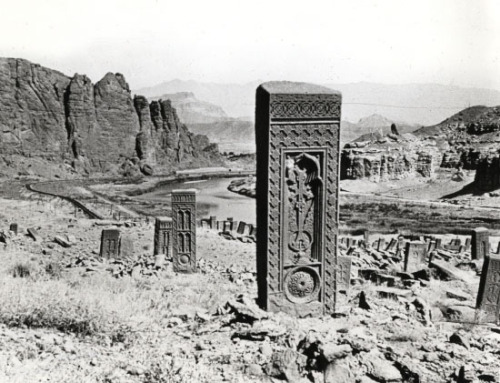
<point x="92" y="127"/>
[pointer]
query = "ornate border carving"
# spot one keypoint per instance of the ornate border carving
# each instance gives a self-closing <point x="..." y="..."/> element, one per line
<point x="304" y="106"/>
<point x="291" y="136"/>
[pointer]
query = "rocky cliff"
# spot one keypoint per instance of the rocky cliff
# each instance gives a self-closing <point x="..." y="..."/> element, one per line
<point x="48" y="116"/>
<point x="464" y="140"/>
<point x="192" y="110"/>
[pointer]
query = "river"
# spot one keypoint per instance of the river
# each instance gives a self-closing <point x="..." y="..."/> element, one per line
<point x="212" y="198"/>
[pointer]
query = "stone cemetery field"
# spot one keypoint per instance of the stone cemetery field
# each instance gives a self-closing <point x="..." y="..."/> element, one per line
<point x="68" y="315"/>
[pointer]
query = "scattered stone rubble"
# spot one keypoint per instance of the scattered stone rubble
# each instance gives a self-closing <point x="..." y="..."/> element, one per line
<point x="387" y="328"/>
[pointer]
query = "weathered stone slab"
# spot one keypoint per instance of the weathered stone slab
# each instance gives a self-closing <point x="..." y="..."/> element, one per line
<point x="241" y="228"/>
<point x="126" y="247"/>
<point x="163" y="236"/>
<point x="480" y="244"/>
<point x="34" y="234"/>
<point x="297" y="130"/>
<point x="415" y="253"/>
<point x="62" y="241"/>
<point x="213" y="222"/>
<point x="343" y="273"/>
<point x="226" y="228"/>
<point x="456" y="242"/>
<point x="234" y="225"/>
<point x="447" y="271"/>
<point x="392" y="245"/>
<point x="439" y="243"/>
<point x="488" y="296"/>
<point x="381" y="244"/>
<point x="110" y="243"/>
<point x="431" y="246"/>
<point x="392" y="292"/>
<point x="14" y="227"/>
<point x="184" y="230"/>
<point x="252" y="230"/>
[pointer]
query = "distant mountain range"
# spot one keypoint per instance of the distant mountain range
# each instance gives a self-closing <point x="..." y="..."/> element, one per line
<point x="424" y="104"/>
<point x="192" y="110"/>
<point x="372" y="126"/>
<point x="237" y="135"/>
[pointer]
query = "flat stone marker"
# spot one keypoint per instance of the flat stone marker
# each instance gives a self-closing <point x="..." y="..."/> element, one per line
<point x="110" y="243"/>
<point x="227" y="227"/>
<point x="34" y="234"/>
<point x="488" y="296"/>
<point x="392" y="245"/>
<point x="439" y="243"/>
<point x="234" y="225"/>
<point x="252" y="230"/>
<point x="241" y="228"/>
<point x="126" y="247"/>
<point x="366" y="236"/>
<point x="163" y="236"/>
<point x="14" y="227"/>
<point x="213" y="222"/>
<point x="381" y="244"/>
<point x="248" y="229"/>
<point x="414" y="256"/>
<point x="456" y="242"/>
<point x="432" y="246"/>
<point x="184" y="230"/>
<point x="297" y="133"/>
<point x="343" y="273"/>
<point x="480" y="244"/>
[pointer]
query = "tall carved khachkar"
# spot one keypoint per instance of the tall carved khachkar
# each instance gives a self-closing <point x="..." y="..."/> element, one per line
<point x="163" y="236"/>
<point x="488" y="296"/>
<point x="184" y="230"/>
<point x="297" y="133"/>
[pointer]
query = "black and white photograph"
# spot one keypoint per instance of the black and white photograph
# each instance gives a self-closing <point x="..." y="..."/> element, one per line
<point x="250" y="191"/>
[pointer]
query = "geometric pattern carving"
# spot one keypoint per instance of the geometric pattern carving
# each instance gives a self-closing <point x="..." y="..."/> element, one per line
<point x="184" y="230"/>
<point x="297" y="136"/>
<point x="163" y="236"/>
<point x="293" y="106"/>
<point x="110" y="243"/>
<point x="343" y="273"/>
<point x="488" y="297"/>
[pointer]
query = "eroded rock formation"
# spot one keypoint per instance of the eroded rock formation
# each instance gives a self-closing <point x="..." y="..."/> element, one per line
<point x="92" y="127"/>
<point x="462" y="141"/>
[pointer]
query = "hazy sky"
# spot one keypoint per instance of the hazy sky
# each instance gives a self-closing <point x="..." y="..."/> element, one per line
<point x="390" y="41"/>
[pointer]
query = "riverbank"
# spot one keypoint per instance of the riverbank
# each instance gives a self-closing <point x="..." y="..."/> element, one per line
<point x="113" y="198"/>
